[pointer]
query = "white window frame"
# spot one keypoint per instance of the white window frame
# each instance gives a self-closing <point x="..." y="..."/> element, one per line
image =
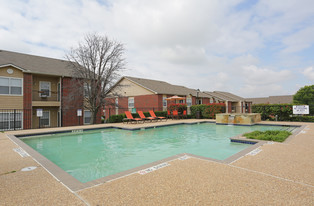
<point x="11" y="128"/>
<point x="40" y="83"/>
<point x="48" y="119"/>
<point x="130" y="102"/>
<point x="164" y="101"/>
<point x="86" y="89"/>
<point x="10" y="78"/>
<point x="84" y="117"/>
<point x="189" y="101"/>
<point x="200" y="101"/>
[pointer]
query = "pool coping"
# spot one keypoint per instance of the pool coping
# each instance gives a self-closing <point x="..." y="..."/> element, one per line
<point x="75" y="185"/>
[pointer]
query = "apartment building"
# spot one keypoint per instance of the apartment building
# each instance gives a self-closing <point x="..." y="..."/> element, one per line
<point x="34" y="93"/>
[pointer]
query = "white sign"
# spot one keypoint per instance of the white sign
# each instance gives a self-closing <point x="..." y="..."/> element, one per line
<point x="301" y="109"/>
<point x="79" y="112"/>
<point x="39" y="112"/>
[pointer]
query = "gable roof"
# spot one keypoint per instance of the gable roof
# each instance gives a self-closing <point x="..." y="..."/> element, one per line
<point x="162" y="87"/>
<point x="35" y="64"/>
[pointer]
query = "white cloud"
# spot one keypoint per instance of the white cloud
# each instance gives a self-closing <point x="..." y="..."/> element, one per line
<point x="208" y="45"/>
<point x="309" y="73"/>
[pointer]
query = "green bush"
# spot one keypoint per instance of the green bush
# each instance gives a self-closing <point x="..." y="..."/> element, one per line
<point x="208" y="111"/>
<point x="116" y="118"/>
<point x="269" y="135"/>
<point x="179" y="107"/>
<point x="269" y="111"/>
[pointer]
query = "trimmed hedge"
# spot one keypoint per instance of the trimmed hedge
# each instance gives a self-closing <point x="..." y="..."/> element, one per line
<point x="208" y="111"/>
<point x="269" y="111"/>
<point x="119" y="118"/>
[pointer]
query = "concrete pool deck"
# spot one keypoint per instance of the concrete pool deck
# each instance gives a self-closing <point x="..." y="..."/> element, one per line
<point x="279" y="174"/>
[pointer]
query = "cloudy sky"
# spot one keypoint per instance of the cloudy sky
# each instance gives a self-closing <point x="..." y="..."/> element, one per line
<point x="248" y="47"/>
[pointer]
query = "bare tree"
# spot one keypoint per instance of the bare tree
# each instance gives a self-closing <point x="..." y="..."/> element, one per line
<point x="97" y="63"/>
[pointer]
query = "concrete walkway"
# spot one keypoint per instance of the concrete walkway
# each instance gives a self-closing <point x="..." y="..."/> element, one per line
<point x="280" y="174"/>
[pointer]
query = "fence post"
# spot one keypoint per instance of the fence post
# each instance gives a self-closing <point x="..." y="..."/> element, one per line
<point x="14" y="119"/>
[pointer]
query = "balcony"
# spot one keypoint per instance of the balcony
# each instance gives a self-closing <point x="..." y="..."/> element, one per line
<point x="45" y="98"/>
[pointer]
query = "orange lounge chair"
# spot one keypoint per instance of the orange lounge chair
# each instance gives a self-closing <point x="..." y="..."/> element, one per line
<point x="129" y="118"/>
<point x="145" y="118"/>
<point x="152" y="113"/>
<point x="175" y="114"/>
<point x="184" y="114"/>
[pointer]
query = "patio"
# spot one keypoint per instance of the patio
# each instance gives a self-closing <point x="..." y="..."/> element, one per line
<point x="281" y="174"/>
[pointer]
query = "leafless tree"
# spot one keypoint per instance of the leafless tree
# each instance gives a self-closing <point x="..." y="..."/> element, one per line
<point x="97" y="63"/>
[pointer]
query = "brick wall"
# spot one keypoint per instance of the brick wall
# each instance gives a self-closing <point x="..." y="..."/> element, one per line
<point x="205" y="101"/>
<point x="27" y="100"/>
<point x="71" y="101"/>
<point x="148" y="102"/>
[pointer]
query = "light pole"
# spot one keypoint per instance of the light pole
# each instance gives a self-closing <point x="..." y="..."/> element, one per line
<point x="197" y="91"/>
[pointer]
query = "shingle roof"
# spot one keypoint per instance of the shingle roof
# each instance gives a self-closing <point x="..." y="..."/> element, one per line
<point x="226" y="96"/>
<point x="284" y="99"/>
<point x="162" y="87"/>
<point x="36" y="64"/>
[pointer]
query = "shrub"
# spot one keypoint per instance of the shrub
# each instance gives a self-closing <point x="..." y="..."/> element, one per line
<point x="116" y="118"/>
<point x="179" y="107"/>
<point x="208" y="110"/>
<point x="269" y="111"/>
<point x="269" y="135"/>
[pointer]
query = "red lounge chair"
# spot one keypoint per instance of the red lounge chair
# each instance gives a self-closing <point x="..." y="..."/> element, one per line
<point x="152" y="113"/>
<point x="146" y="118"/>
<point x="175" y="114"/>
<point x="129" y="118"/>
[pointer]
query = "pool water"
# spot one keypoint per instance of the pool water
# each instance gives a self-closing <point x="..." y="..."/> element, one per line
<point x="98" y="153"/>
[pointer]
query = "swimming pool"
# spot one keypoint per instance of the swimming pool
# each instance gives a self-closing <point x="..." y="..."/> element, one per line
<point x="98" y="153"/>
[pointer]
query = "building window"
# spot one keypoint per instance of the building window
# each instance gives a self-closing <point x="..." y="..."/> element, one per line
<point x="87" y="116"/>
<point x="45" y="119"/>
<point x="199" y="101"/>
<point x="164" y="101"/>
<point x="211" y="100"/>
<point x="10" y="86"/>
<point x="44" y="89"/>
<point x="131" y="102"/>
<point x="87" y="89"/>
<point x="189" y="102"/>
<point x="7" y="120"/>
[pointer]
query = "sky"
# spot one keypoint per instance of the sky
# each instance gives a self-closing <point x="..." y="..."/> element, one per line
<point x="247" y="47"/>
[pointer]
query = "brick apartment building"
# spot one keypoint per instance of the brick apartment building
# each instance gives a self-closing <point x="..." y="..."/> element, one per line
<point x="33" y="85"/>
<point x="132" y="93"/>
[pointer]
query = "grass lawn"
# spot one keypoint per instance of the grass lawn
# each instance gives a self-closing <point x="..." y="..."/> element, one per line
<point x="269" y="135"/>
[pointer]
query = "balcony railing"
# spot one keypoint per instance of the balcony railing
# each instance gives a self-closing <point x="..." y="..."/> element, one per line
<point x="45" y="95"/>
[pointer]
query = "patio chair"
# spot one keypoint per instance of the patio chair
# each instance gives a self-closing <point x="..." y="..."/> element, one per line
<point x="152" y="113"/>
<point x="169" y="115"/>
<point x="175" y="114"/>
<point x="129" y="118"/>
<point x="184" y="114"/>
<point x="146" y="118"/>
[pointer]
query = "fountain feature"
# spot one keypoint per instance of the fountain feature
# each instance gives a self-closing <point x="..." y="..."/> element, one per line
<point x="238" y="118"/>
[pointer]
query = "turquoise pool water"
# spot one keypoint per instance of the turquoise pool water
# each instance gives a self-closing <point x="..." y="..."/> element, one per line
<point x="98" y="153"/>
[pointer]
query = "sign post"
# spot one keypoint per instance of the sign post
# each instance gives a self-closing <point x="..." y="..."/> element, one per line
<point x="79" y="114"/>
<point x="39" y="113"/>
<point x="301" y="109"/>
